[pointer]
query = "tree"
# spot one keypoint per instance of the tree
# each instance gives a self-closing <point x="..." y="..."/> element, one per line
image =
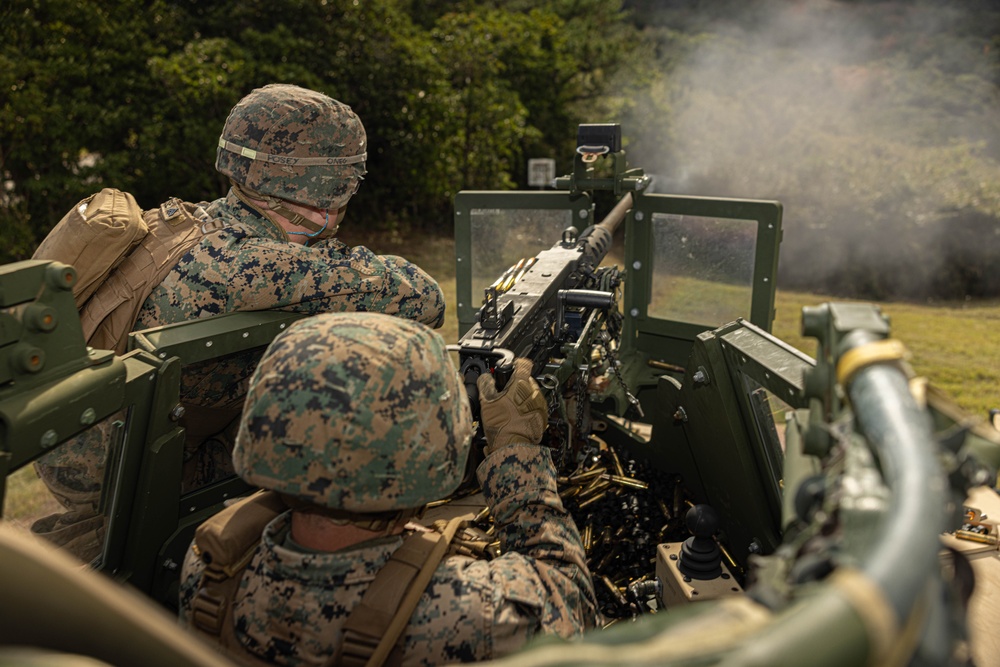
<point x="132" y="94"/>
<point x="72" y="77"/>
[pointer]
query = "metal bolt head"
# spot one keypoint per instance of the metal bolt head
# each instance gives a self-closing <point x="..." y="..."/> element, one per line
<point x="177" y="413"/>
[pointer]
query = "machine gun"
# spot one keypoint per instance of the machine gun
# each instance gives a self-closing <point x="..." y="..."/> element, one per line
<point x="560" y="308"/>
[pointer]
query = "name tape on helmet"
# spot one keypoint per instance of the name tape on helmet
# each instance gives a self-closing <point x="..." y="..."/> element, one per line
<point x="251" y="154"/>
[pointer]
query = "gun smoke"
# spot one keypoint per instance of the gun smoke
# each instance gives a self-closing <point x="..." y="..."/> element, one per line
<point x="877" y="125"/>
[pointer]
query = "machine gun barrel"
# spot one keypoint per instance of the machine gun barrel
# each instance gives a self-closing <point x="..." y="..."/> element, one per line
<point x="601" y="235"/>
<point x="617" y="214"/>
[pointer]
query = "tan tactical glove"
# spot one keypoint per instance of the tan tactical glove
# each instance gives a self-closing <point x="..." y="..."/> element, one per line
<point x="516" y="415"/>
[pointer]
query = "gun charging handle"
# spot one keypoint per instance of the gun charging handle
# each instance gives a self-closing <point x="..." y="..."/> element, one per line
<point x="475" y="364"/>
<point x="581" y="297"/>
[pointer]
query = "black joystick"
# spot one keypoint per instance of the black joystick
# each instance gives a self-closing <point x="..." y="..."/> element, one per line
<point x="700" y="555"/>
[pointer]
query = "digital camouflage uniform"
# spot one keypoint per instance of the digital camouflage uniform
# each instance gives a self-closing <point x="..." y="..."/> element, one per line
<point x="279" y="141"/>
<point x="249" y="265"/>
<point x="365" y="413"/>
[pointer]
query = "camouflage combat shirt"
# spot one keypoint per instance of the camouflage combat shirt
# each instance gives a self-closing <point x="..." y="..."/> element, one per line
<point x="251" y="265"/>
<point x="292" y="602"/>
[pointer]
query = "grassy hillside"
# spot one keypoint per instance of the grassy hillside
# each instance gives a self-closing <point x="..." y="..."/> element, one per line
<point x="955" y="345"/>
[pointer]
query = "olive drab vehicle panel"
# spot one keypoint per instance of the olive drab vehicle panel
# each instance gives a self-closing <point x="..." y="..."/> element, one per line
<point x="59" y="389"/>
<point x="741" y="503"/>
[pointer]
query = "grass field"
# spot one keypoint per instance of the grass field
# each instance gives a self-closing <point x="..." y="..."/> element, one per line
<point x="955" y="345"/>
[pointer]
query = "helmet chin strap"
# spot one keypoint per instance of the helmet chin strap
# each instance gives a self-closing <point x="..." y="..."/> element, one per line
<point x="276" y="205"/>
<point x="318" y="233"/>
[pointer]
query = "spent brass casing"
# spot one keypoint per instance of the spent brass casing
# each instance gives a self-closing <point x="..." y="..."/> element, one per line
<point x="729" y="559"/>
<point x="618" y="464"/>
<point x="570" y="492"/>
<point x="588" y="536"/>
<point x="664" y="509"/>
<point x="630" y="482"/>
<point x="608" y="557"/>
<point x="593" y="499"/>
<point x="598" y="487"/>
<point x="614" y="590"/>
<point x="579" y="478"/>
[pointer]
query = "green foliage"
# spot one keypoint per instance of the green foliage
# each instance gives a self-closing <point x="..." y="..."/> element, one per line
<point x="488" y="120"/>
<point x="133" y="93"/>
<point x="60" y="104"/>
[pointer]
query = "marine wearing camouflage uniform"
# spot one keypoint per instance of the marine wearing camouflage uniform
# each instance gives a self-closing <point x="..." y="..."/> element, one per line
<point x="280" y="141"/>
<point x="297" y="145"/>
<point x="364" y="413"/>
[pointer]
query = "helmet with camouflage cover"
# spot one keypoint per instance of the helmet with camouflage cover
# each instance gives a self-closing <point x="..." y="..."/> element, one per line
<point x="360" y="412"/>
<point x="294" y="144"/>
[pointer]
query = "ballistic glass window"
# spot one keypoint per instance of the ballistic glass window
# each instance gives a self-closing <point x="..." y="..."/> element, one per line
<point x="703" y="269"/>
<point x="503" y="237"/>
